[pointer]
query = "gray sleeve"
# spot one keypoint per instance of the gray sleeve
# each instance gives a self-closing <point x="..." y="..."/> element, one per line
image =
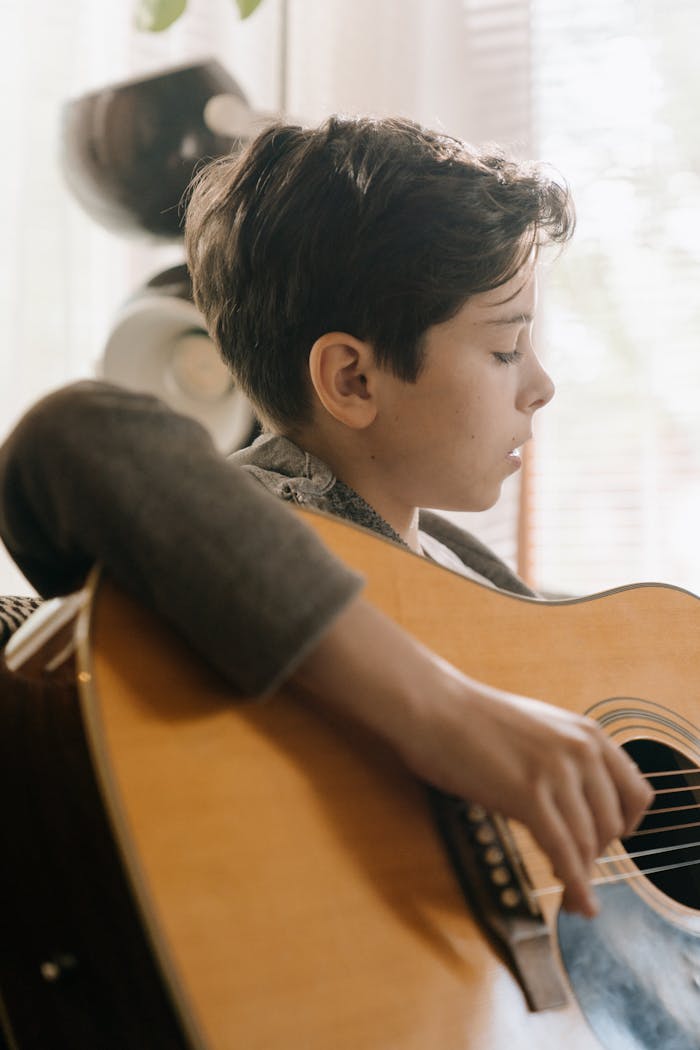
<point x="93" y="473"/>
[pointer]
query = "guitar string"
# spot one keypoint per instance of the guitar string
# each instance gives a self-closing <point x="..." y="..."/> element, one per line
<point x="528" y="852"/>
<point x="646" y="852"/>
<point x="620" y="877"/>
<point x="671" y="773"/>
<point x="661" y="831"/>
<point x="533" y="852"/>
<point x="646" y="831"/>
<point x="673" y="809"/>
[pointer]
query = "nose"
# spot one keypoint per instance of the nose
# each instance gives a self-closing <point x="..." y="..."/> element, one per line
<point x="546" y="392"/>
<point x="539" y="388"/>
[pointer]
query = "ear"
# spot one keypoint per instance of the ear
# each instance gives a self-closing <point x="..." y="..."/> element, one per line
<point x="343" y="372"/>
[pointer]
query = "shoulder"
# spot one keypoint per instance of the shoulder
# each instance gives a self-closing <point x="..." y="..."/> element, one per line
<point x="473" y="552"/>
<point x="284" y="469"/>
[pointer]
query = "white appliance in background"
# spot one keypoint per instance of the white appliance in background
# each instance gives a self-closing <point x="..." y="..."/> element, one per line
<point x="129" y="152"/>
<point x="159" y="345"/>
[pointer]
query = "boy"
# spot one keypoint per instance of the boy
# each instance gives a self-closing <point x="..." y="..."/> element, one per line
<point x="372" y="286"/>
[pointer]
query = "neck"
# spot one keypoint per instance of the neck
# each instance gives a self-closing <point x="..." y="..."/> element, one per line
<point x="357" y="467"/>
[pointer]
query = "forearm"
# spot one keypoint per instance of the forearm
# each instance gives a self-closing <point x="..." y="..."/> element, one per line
<point x="93" y="473"/>
<point x="368" y="669"/>
<point x="552" y="770"/>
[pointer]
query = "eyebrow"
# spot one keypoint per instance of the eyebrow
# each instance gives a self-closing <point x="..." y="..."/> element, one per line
<point x="514" y="319"/>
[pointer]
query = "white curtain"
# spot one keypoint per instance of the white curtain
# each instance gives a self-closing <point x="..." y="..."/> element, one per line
<point x="63" y="276"/>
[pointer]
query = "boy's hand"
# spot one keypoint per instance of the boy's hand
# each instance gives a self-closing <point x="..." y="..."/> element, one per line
<point x="554" y="771"/>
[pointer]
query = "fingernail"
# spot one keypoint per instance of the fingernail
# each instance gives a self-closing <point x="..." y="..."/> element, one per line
<point x="593" y="905"/>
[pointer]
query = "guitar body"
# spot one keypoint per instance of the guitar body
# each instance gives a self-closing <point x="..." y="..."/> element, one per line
<point x="292" y="886"/>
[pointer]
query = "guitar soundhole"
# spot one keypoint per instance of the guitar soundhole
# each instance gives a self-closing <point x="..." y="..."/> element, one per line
<point x="666" y="845"/>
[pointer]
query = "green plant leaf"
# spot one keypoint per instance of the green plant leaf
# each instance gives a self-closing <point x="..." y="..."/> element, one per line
<point x="246" y="7"/>
<point x="155" y="15"/>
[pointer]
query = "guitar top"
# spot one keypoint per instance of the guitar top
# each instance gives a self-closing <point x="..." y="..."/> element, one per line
<point x="299" y="889"/>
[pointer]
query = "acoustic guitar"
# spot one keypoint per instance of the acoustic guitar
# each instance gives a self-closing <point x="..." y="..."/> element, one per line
<point x="188" y="871"/>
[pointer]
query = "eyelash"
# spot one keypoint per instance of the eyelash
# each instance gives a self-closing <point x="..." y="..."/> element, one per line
<point x="509" y="358"/>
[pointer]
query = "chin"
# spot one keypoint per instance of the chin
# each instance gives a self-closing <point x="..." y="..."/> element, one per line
<point x="488" y="503"/>
<point x="472" y="505"/>
<point x="486" y="500"/>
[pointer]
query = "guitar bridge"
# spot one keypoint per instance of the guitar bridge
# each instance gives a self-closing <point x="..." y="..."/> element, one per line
<point x="495" y="884"/>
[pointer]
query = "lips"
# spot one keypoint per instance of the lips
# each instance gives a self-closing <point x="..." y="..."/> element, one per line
<point x="517" y="450"/>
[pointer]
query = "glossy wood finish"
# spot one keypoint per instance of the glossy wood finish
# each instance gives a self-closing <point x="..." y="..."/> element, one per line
<point x="292" y="878"/>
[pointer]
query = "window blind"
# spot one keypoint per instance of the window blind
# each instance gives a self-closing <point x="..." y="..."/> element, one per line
<point x="616" y="486"/>
<point x="608" y="92"/>
<point x="498" y="107"/>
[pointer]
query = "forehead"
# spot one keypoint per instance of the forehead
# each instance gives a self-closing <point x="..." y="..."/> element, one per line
<point x="512" y="303"/>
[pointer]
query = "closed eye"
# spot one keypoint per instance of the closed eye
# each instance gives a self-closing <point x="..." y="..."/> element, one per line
<point x="509" y="357"/>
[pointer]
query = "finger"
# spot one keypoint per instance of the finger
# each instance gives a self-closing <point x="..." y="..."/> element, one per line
<point x="582" y="902"/>
<point x="576" y="813"/>
<point x="634" y="793"/>
<point x="552" y="834"/>
<point x="604" y="805"/>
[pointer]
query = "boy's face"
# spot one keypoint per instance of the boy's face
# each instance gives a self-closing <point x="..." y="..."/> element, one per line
<point x="449" y="440"/>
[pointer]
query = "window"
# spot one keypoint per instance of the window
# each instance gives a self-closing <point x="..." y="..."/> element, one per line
<point x="616" y="484"/>
<point x="607" y="91"/>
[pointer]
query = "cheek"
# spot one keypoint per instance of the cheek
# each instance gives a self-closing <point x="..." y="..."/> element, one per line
<point x="471" y="413"/>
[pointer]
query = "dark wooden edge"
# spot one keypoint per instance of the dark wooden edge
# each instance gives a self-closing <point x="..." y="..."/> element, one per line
<point x="76" y="969"/>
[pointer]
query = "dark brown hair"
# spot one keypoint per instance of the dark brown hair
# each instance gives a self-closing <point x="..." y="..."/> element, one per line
<point x="378" y="228"/>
